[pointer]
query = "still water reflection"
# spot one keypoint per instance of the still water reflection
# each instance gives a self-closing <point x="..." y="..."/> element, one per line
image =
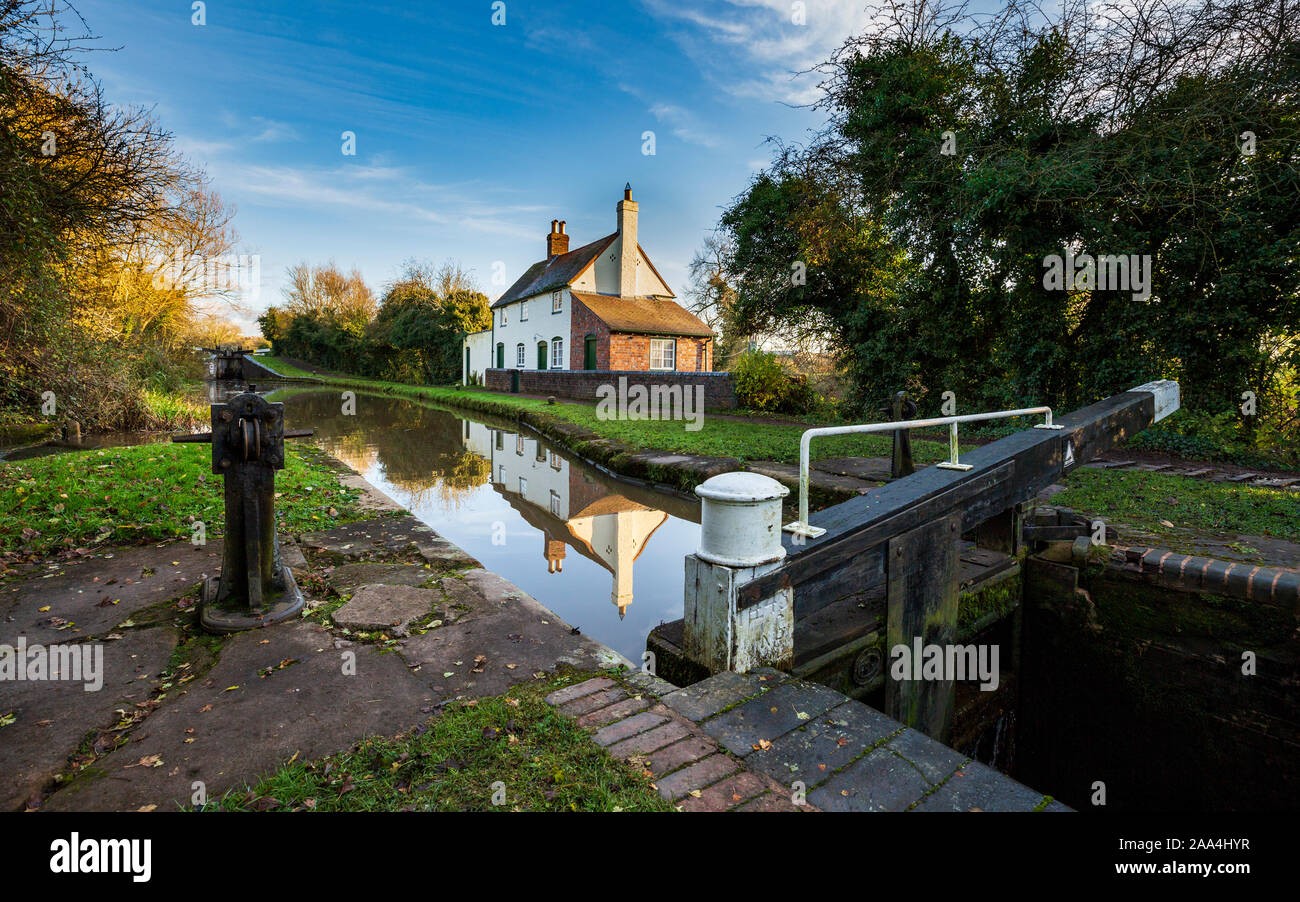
<point x="604" y="555"/>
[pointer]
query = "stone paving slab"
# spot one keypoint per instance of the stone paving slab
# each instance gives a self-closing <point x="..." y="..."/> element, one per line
<point x="52" y="717"/>
<point x="829" y="743"/>
<point x="348" y="578"/>
<point x="934" y="760"/>
<point x="236" y="725"/>
<point x="770" y="715"/>
<point x="707" y="697"/>
<point x="848" y="756"/>
<point x="878" y="781"/>
<point x="514" y="634"/>
<point x="978" y="788"/>
<point x="372" y="539"/>
<point x="134" y="578"/>
<point x="387" y="608"/>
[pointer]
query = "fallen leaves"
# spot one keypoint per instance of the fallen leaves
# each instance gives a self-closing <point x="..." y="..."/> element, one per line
<point x="146" y="761"/>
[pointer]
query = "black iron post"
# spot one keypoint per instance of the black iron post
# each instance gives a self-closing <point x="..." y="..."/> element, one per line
<point x="255" y="587"/>
<point x="901" y="408"/>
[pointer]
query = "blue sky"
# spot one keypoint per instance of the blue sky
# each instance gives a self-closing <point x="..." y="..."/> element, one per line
<point x="470" y="137"/>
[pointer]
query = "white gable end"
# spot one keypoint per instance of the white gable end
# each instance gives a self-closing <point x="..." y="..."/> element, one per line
<point x="602" y="276"/>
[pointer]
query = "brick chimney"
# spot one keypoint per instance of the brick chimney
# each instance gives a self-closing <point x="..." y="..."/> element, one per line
<point x="557" y="242"/>
<point x="627" y="229"/>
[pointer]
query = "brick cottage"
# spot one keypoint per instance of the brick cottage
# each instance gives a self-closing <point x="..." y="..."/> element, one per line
<point x="602" y="308"/>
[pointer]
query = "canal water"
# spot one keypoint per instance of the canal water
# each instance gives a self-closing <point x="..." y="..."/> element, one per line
<point x="604" y="554"/>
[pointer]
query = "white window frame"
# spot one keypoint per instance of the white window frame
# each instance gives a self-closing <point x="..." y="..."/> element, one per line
<point x="523" y="311"/>
<point x="504" y="318"/>
<point x="662" y="343"/>
<point x="557" y="353"/>
<point x="557" y="301"/>
<point x="523" y="486"/>
<point x="521" y="356"/>
<point x="555" y="503"/>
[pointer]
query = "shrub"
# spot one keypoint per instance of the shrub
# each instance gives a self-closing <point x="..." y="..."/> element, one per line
<point x="1223" y="436"/>
<point x="763" y="384"/>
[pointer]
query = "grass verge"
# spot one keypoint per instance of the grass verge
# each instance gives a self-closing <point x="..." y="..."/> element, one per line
<point x="148" y="493"/>
<point x="1165" y="504"/>
<point x="514" y="744"/>
<point x="284" y="368"/>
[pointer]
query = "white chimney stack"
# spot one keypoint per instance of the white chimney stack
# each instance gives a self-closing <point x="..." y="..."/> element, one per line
<point x="627" y="230"/>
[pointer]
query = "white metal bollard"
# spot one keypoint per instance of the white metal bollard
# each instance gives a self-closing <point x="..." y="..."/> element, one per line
<point x="740" y="539"/>
<point x="740" y="519"/>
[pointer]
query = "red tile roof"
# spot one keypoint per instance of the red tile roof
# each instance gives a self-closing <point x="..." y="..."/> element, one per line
<point x="643" y="316"/>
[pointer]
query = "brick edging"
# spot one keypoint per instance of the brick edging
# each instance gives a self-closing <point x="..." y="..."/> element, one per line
<point x="626" y="717"/>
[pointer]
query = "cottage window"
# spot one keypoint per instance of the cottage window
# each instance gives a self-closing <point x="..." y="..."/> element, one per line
<point x="503" y="315"/>
<point x="555" y="502"/>
<point x="519" y="356"/>
<point x="663" y="354"/>
<point x="523" y="311"/>
<point x="557" y="353"/>
<point x="557" y="301"/>
<point x="523" y="486"/>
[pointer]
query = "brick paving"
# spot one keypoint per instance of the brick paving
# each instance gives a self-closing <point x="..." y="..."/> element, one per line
<point x="689" y="767"/>
<point x="763" y="741"/>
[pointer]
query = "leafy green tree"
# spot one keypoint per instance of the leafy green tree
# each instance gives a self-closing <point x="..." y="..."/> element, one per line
<point x="961" y="155"/>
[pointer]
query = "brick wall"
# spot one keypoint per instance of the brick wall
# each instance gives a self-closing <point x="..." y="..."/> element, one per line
<point x="581" y="385"/>
<point x="585" y="323"/>
<point x="632" y="352"/>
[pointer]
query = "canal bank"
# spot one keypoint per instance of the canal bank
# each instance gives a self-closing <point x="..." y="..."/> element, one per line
<point x="399" y="625"/>
<point x="415" y="680"/>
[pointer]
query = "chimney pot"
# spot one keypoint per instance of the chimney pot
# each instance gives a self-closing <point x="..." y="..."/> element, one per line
<point x="557" y="242"/>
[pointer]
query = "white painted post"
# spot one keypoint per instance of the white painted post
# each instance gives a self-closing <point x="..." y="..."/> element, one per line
<point x="740" y="539"/>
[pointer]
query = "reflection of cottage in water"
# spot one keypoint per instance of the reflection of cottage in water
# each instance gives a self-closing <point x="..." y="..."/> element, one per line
<point x="567" y="507"/>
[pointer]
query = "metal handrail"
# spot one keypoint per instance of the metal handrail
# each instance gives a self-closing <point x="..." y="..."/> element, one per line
<point x="801" y="528"/>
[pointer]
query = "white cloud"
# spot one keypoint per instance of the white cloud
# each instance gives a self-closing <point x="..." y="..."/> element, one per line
<point x="763" y="47"/>
<point x="684" y="124"/>
<point x="388" y="191"/>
